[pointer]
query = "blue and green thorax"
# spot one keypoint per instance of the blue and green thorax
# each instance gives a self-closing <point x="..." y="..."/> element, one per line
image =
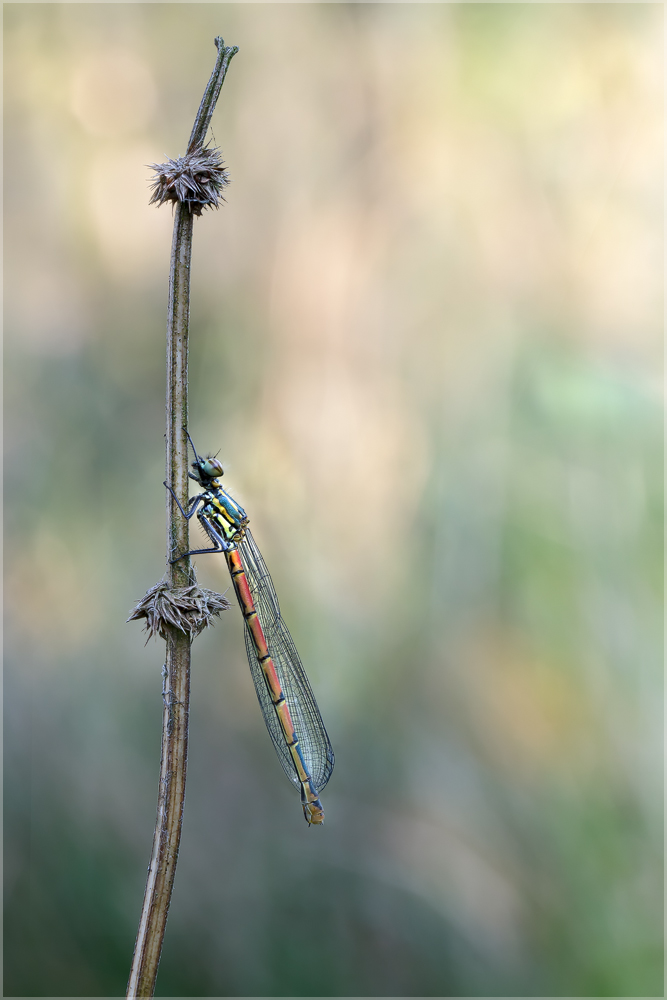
<point x="224" y="511"/>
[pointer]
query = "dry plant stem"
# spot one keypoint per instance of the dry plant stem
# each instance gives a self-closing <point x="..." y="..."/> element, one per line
<point x="166" y="840"/>
<point x="177" y="394"/>
<point x="176" y="688"/>
<point x="211" y="94"/>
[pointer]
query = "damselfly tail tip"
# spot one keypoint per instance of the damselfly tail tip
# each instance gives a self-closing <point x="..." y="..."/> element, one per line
<point x="313" y="812"/>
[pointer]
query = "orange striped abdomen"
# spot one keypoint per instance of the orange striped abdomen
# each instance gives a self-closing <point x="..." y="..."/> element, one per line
<point x="312" y="807"/>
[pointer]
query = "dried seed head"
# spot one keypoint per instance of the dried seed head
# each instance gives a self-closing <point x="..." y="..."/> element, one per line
<point x="195" y="180"/>
<point x="190" y="609"/>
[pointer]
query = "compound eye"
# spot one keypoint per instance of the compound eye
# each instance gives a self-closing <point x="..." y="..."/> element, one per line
<point x="211" y="467"/>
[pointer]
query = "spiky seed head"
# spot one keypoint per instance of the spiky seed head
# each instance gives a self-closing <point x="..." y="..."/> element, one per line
<point x="195" y="180"/>
<point x="190" y="609"/>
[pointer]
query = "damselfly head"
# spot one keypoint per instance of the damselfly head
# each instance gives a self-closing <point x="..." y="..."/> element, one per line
<point x="206" y="469"/>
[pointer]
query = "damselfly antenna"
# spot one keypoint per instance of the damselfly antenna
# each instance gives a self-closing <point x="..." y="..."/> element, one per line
<point x="193" y="447"/>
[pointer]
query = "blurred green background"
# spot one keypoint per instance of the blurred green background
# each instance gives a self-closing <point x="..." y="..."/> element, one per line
<point x="425" y="335"/>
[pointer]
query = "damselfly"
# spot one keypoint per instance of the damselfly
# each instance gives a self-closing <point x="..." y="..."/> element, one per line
<point x="283" y="690"/>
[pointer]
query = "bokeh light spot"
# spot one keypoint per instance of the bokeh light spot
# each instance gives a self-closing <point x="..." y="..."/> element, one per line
<point x="112" y="93"/>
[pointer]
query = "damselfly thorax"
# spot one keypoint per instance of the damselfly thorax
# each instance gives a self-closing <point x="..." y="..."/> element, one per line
<point x="224" y="511"/>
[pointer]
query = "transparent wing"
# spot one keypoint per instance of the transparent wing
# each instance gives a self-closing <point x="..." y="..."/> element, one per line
<point x="310" y="731"/>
